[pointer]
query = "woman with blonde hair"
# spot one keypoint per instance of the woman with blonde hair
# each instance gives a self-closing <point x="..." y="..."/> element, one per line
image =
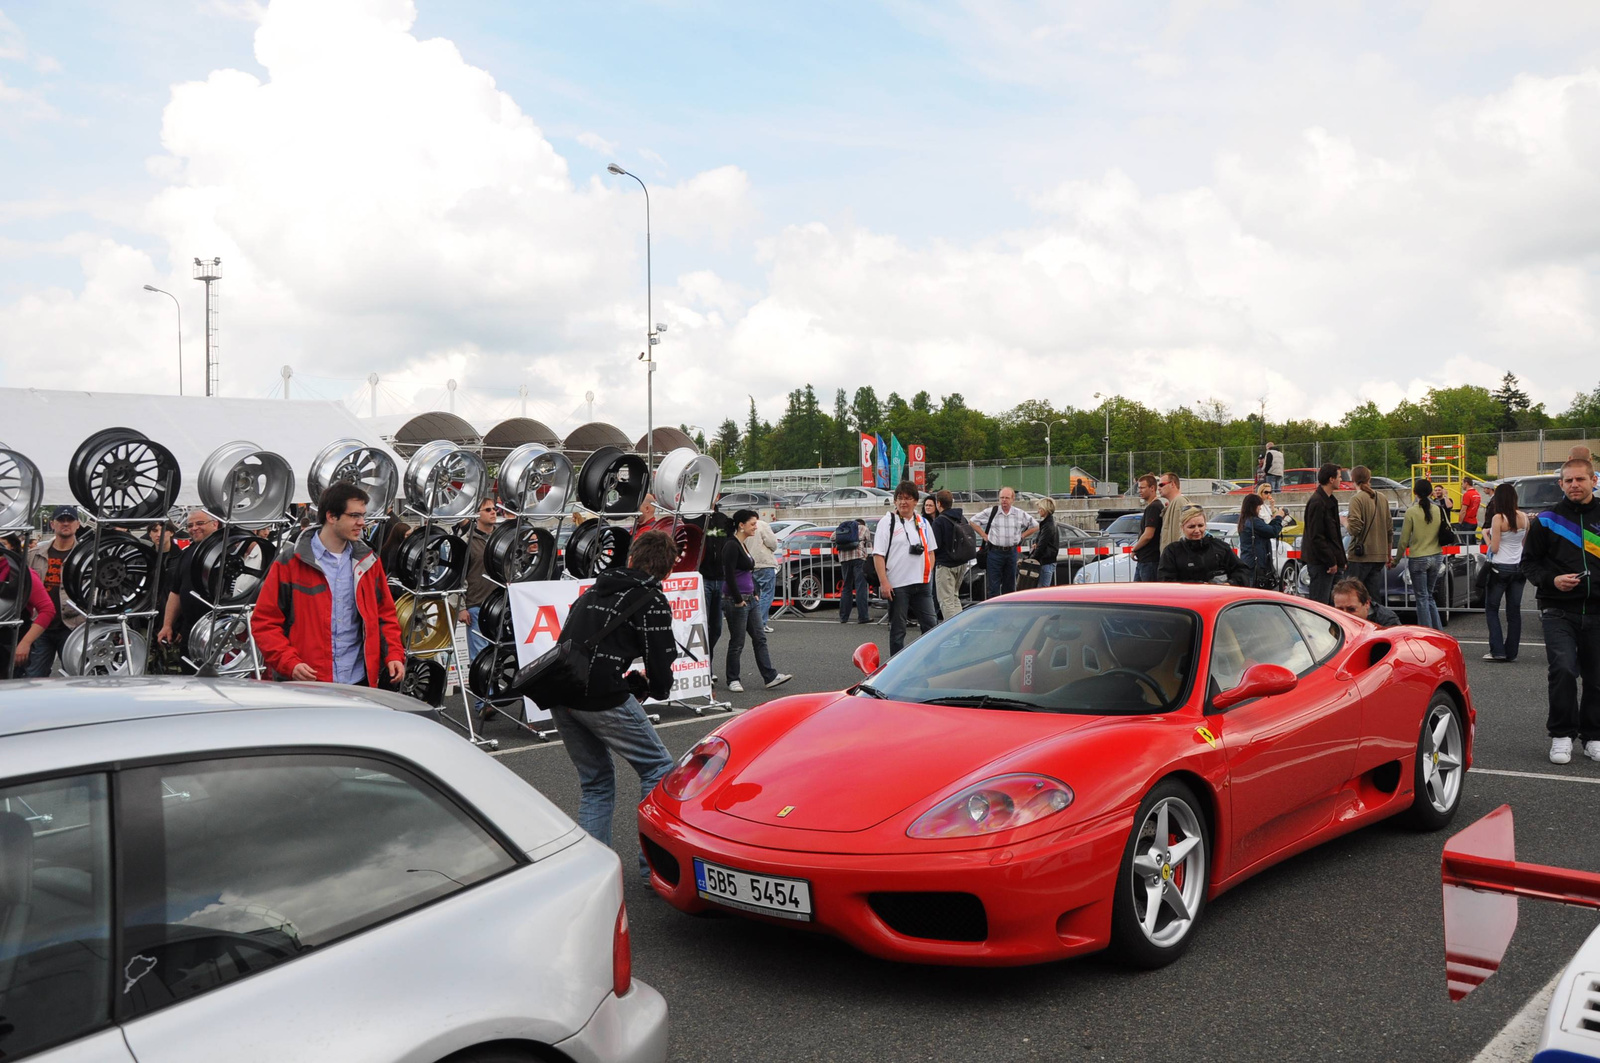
<point x="1047" y="544"/>
<point x="1197" y="557"/>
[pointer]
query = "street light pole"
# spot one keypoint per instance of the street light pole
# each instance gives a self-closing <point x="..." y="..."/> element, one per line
<point x="179" y="308"/>
<point x="652" y="331"/>
<point x="1048" y="489"/>
<point x="1105" y="467"/>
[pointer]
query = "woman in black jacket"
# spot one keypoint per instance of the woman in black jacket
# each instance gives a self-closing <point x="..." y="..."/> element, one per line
<point x="1199" y="558"/>
<point x="1255" y="542"/>
<point x="1047" y="544"/>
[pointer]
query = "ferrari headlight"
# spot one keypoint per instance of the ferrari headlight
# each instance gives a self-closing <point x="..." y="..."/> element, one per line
<point x="697" y="769"/>
<point x="997" y="804"/>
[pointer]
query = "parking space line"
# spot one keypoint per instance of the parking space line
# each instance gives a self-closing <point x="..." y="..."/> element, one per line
<point x="553" y="743"/>
<point x="1518" y="1038"/>
<point x="1485" y="642"/>
<point x="1534" y="775"/>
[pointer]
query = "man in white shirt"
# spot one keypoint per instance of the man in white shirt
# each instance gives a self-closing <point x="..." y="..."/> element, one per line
<point x="903" y="548"/>
<point x="1003" y="527"/>
<point x="764" y="552"/>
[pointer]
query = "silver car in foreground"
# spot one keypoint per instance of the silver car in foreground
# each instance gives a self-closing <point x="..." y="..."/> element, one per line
<point x="199" y="870"/>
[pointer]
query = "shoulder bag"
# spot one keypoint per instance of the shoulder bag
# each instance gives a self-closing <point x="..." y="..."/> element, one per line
<point x="560" y="674"/>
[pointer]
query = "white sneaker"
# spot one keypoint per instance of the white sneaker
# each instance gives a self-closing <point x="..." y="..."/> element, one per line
<point x="738" y="688"/>
<point x="1591" y="749"/>
<point x="783" y="677"/>
<point x="1561" y="750"/>
<point x="768" y="629"/>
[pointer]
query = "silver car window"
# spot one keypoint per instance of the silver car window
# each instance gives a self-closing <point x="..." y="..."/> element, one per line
<point x="232" y="866"/>
<point x="55" y="912"/>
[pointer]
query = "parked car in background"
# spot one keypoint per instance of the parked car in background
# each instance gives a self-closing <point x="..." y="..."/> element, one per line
<point x="756" y="500"/>
<point x="975" y="580"/>
<point x="872" y="498"/>
<point x="1306" y="480"/>
<point x="222" y="869"/>
<point x="809" y="570"/>
<point x="1535" y="494"/>
<point x="784" y="528"/>
<point x="967" y="498"/>
<point x="1118" y="568"/>
<point x="1194" y="487"/>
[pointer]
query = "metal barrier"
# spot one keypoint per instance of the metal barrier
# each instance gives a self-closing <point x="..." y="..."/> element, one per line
<point x="808" y="577"/>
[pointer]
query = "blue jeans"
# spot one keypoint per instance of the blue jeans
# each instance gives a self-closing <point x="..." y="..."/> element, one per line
<point x="766" y="583"/>
<point x="1505" y="581"/>
<point x="1001" y="577"/>
<point x="853" y="590"/>
<point x="1275" y="481"/>
<point x="1047" y="575"/>
<point x="743" y="620"/>
<point x="42" y="656"/>
<point x="591" y="738"/>
<point x="1424" y="574"/>
<point x="711" y="589"/>
<point x="1145" y="571"/>
<point x="476" y="643"/>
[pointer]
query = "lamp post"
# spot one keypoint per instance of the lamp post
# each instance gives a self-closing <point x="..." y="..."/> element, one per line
<point x="652" y="332"/>
<point x="1105" y="468"/>
<point x="179" y="309"/>
<point x="1047" y="482"/>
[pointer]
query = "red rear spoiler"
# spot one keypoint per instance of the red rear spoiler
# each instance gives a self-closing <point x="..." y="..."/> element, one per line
<point x="1482" y="881"/>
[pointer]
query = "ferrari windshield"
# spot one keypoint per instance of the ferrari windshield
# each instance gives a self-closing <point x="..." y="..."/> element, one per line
<point x="1051" y="657"/>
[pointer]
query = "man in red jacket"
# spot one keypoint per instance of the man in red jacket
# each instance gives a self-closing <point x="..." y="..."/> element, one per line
<point x="325" y="612"/>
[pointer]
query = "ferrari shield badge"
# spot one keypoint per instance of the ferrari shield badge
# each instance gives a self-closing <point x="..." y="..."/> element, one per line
<point x="1205" y="732"/>
<point x="785" y="810"/>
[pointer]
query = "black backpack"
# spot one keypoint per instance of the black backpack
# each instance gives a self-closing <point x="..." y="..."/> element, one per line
<point x="963" y="543"/>
<point x="847" y="536"/>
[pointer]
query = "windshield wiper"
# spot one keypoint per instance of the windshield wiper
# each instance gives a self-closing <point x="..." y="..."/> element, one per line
<point x="982" y="701"/>
<point x="870" y="691"/>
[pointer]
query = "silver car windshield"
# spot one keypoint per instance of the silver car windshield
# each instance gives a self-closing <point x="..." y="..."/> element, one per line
<point x="1096" y="658"/>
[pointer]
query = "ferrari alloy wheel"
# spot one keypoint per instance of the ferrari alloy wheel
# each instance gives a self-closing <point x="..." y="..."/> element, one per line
<point x="1441" y="766"/>
<point x="1161" y="888"/>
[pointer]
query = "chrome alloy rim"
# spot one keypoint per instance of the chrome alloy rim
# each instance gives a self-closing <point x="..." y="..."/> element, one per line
<point x="1169" y="872"/>
<point x="1441" y="753"/>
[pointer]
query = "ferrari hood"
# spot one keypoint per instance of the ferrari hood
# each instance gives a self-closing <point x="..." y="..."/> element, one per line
<point x="859" y="761"/>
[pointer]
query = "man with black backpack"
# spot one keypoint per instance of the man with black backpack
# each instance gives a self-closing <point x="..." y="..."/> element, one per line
<point x="851" y="543"/>
<point x="958" y="547"/>
<point x="624" y="617"/>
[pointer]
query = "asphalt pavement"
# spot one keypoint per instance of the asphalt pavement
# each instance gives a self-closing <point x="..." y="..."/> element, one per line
<point x="1335" y="954"/>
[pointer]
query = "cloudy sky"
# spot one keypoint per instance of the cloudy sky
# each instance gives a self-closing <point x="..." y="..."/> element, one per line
<point x="1316" y="203"/>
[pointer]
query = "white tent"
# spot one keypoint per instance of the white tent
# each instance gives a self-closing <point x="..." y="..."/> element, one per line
<point x="47" y="426"/>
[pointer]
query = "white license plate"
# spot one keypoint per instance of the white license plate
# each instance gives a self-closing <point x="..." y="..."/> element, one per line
<point x="786" y="898"/>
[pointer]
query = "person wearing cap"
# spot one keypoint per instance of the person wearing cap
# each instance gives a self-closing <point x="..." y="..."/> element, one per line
<point x="46" y="559"/>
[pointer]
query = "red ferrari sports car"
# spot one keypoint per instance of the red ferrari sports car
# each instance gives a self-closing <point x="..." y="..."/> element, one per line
<point x="1064" y="770"/>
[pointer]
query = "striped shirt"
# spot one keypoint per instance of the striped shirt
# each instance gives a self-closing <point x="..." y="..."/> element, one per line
<point x="1006" y="528"/>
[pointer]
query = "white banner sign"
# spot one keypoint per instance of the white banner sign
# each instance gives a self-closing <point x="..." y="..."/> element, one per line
<point x="539" y="608"/>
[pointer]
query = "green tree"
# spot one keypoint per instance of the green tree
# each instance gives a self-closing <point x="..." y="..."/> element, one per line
<point x="726" y="447"/>
<point x="1512" y="399"/>
<point x="866" y="412"/>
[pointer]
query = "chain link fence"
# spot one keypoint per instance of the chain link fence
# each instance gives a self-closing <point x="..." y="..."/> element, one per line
<point x="1488" y="455"/>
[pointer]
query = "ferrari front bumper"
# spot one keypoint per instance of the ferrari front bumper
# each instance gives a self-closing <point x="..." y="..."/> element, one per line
<point x="1043" y="899"/>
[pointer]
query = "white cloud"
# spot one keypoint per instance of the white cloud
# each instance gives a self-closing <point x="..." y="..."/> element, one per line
<point x="378" y="203"/>
<point x="14" y="47"/>
<point x="597" y="144"/>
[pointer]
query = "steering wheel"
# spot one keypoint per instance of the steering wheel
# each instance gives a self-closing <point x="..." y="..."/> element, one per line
<point x="1134" y="674"/>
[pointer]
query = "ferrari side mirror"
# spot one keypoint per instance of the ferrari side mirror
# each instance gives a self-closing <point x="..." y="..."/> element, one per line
<point x="1259" y="681"/>
<point x="866" y="658"/>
